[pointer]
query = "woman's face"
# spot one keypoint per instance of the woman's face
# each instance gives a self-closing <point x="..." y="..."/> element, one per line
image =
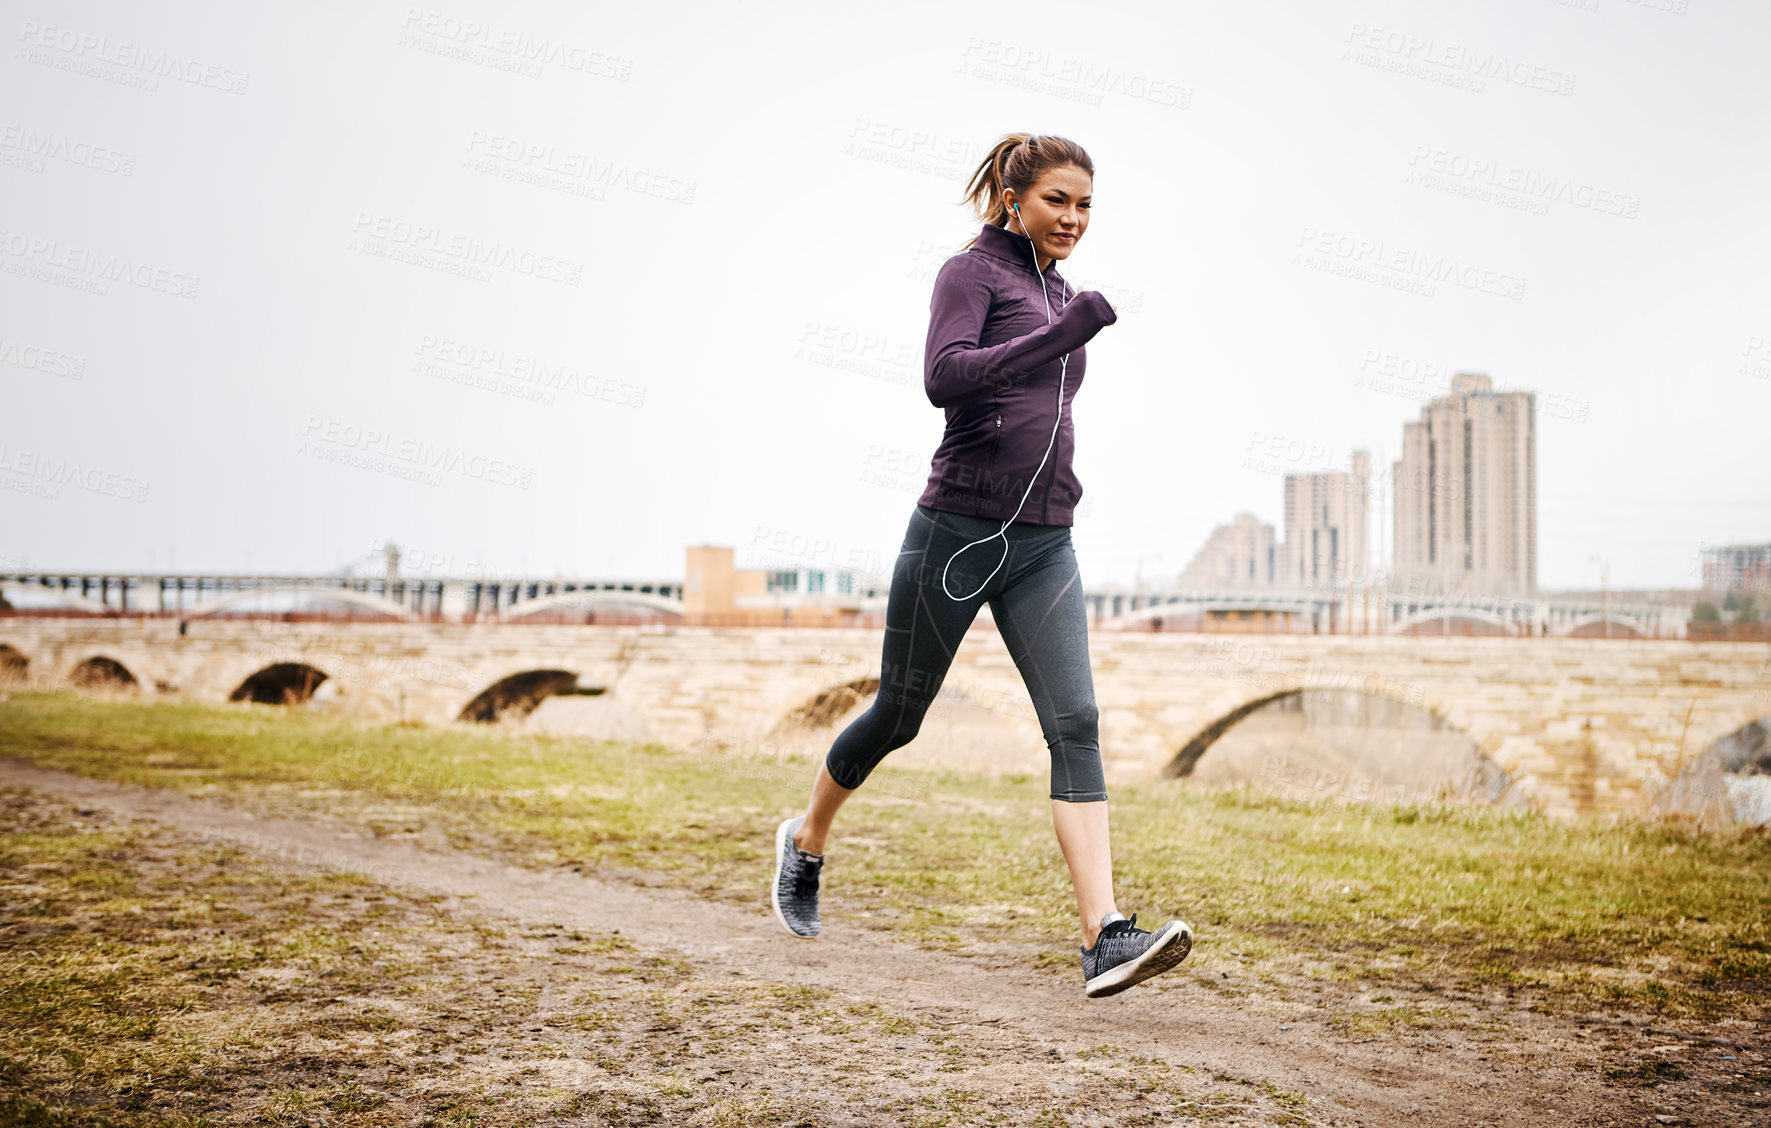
<point x="1054" y="212"/>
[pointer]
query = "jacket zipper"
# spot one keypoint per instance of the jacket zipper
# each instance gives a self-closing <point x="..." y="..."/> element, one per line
<point x="995" y="447"/>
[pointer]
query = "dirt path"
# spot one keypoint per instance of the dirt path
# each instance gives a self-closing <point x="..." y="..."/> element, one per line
<point x="1502" y="1066"/>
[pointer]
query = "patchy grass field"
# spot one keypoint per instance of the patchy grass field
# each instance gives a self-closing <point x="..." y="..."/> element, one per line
<point x="1649" y="917"/>
<point x="154" y="978"/>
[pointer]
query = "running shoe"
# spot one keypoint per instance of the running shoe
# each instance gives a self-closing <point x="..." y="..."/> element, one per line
<point x="795" y="892"/>
<point x="1125" y="954"/>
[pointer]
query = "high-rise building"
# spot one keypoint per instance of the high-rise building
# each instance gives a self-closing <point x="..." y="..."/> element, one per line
<point x="1737" y="567"/>
<point x="1327" y="526"/>
<point x="1466" y="492"/>
<point x="1238" y="555"/>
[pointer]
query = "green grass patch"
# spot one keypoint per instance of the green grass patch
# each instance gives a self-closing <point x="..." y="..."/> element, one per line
<point x="112" y="973"/>
<point x="1647" y="915"/>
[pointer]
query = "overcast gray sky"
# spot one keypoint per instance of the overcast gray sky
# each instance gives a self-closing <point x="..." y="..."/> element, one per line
<point x="546" y="287"/>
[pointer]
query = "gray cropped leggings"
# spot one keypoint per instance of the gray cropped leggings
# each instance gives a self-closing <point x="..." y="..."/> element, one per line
<point x="1036" y="599"/>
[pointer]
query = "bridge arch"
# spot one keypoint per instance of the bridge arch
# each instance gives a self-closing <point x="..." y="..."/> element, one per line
<point x="1730" y="778"/>
<point x="35" y="594"/>
<point x="1202" y="606"/>
<point x="518" y="694"/>
<point x="1183" y="762"/>
<point x="13" y="664"/>
<point x="1177" y="606"/>
<point x="823" y="708"/>
<point x="1353" y="743"/>
<point x="1437" y="619"/>
<point x="1594" y="626"/>
<point x="1747" y="749"/>
<point x="100" y="672"/>
<point x="361" y="599"/>
<point x="588" y="600"/>
<point x="281" y="683"/>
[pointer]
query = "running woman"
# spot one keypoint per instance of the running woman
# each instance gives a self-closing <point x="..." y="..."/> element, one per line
<point x="1003" y="327"/>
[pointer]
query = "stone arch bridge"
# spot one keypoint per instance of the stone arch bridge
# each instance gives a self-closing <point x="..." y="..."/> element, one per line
<point x="1581" y="725"/>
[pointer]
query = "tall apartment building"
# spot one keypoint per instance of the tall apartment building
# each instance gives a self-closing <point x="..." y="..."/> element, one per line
<point x="1466" y="492"/>
<point x="1327" y="527"/>
<point x="1737" y="567"/>
<point x="1241" y="554"/>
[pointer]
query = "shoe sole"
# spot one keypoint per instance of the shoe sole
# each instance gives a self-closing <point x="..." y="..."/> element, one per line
<point x="775" y="886"/>
<point x="1158" y="958"/>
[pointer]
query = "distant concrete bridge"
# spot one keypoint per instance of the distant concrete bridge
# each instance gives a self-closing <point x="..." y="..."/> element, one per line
<point x="1370" y="609"/>
<point x="1579" y="725"/>
<point x="1330" y="609"/>
<point x="194" y="595"/>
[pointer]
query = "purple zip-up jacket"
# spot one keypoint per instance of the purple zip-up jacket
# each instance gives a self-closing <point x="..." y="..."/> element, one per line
<point x="993" y="362"/>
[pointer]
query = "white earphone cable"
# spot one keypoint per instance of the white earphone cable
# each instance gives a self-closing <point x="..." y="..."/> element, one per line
<point x="1063" y="372"/>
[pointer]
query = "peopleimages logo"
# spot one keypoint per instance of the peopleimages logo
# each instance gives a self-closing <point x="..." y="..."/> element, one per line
<point x="334" y="440"/>
<point x="29" y="148"/>
<point x="1067" y="76"/>
<point x="85" y="53"/>
<point x="48" y="361"/>
<point x="1374" y="261"/>
<point x="504" y="48"/>
<point x="1278" y="454"/>
<point x="1449" y="64"/>
<point x="876" y="355"/>
<point x="912" y="149"/>
<point x="25" y="471"/>
<point x="49" y="261"/>
<point x="1511" y="185"/>
<point x="528" y="377"/>
<point x="568" y="170"/>
<point x="785" y="547"/>
<point x="1756" y="359"/>
<point x="376" y="234"/>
